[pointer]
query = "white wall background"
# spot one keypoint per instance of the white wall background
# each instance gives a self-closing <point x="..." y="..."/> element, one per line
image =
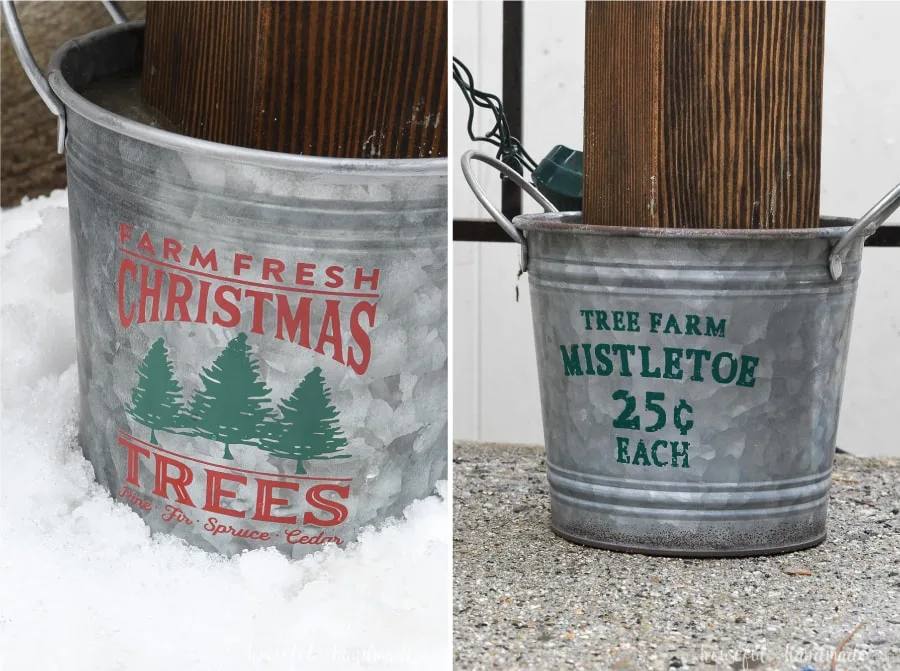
<point x="495" y="377"/>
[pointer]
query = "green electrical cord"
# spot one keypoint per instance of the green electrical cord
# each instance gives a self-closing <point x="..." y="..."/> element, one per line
<point x="559" y="175"/>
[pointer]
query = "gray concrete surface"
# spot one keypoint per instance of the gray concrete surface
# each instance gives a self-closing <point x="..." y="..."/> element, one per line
<point x="526" y="599"/>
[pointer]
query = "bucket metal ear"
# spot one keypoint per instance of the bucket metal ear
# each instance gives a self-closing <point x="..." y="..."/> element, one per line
<point x="504" y="223"/>
<point x="865" y="226"/>
<point x="37" y="78"/>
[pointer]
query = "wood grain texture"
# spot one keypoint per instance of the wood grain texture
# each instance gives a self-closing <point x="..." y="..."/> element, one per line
<point x="703" y="114"/>
<point x="344" y="79"/>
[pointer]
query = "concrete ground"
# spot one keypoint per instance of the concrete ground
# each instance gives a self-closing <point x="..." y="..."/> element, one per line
<point x="526" y="599"/>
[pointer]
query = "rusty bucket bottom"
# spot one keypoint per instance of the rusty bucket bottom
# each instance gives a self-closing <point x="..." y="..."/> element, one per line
<point x="683" y="533"/>
<point x="688" y="554"/>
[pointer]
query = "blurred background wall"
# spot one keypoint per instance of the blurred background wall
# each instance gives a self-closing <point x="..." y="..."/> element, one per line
<point x="495" y="387"/>
<point x="29" y="164"/>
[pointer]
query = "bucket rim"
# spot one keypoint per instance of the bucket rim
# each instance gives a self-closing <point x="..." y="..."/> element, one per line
<point x="73" y="100"/>
<point x="570" y="222"/>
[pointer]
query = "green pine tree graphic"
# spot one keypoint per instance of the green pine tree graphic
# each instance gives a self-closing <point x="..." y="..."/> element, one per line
<point x="156" y="400"/>
<point x="233" y="407"/>
<point x="308" y="428"/>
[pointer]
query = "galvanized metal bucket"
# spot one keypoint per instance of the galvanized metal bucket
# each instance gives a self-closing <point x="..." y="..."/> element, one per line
<point x="690" y="380"/>
<point x="262" y="340"/>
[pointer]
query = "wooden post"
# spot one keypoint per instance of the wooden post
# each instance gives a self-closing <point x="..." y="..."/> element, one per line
<point x="703" y="114"/>
<point x="339" y="79"/>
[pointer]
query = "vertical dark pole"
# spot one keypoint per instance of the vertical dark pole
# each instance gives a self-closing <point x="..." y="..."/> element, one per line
<point x="511" y="195"/>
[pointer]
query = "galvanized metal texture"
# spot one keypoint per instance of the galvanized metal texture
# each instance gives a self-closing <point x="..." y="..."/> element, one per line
<point x="262" y="339"/>
<point x="690" y="386"/>
<point x="690" y="379"/>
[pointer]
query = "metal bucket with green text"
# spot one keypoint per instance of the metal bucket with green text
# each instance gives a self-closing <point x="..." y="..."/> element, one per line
<point x="262" y="342"/>
<point x="690" y="380"/>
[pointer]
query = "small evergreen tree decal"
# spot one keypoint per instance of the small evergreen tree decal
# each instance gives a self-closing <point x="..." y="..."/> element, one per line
<point x="309" y="427"/>
<point x="233" y="406"/>
<point x="156" y="400"/>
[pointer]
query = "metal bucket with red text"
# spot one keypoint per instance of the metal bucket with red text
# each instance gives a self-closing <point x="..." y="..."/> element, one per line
<point x="262" y="339"/>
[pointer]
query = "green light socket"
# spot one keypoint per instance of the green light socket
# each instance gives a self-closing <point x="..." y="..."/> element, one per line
<point x="560" y="177"/>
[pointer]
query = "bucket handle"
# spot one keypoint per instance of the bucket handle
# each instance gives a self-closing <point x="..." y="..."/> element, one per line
<point x="504" y="223"/>
<point x="865" y="226"/>
<point x="38" y="80"/>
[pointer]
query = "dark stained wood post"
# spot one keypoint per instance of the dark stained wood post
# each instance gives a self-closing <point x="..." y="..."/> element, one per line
<point x="363" y="79"/>
<point x="703" y="114"/>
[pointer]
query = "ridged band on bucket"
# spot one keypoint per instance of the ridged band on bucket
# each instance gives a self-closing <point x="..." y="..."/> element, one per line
<point x="262" y="339"/>
<point x="690" y="380"/>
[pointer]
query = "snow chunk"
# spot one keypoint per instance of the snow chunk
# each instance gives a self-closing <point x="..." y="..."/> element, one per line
<point x="85" y="585"/>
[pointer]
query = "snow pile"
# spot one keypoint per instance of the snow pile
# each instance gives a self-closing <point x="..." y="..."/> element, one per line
<point x="85" y="586"/>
